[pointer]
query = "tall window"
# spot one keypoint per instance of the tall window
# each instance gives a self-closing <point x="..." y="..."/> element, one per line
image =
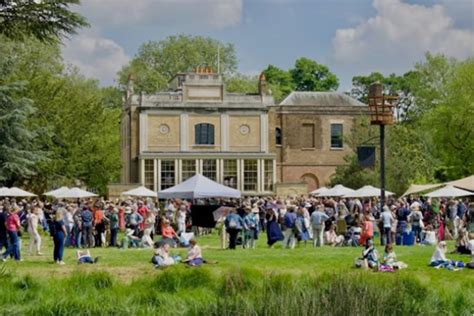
<point x="209" y="169"/>
<point x="149" y="174"/>
<point x="188" y="169"/>
<point x="250" y="175"/>
<point x="278" y="136"/>
<point x="268" y="176"/>
<point x="307" y="136"/>
<point x="230" y="173"/>
<point x="336" y="135"/>
<point x="204" y="134"/>
<point x="167" y="174"/>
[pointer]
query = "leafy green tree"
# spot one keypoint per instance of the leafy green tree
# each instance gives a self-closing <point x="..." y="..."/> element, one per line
<point x="449" y="124"/>
<point x="308" y="75"/>
<point x="280" y="82"/>
<point x="79" y="121"/>
<point x="242" y="84"/>
<point x="46" y="20"/>
<point x="158" y="61"/>
<point x="400" y="86"/>
<point x="429" y="84"/>
<point x="18" y="157"/>
<point x="408" y="158"/>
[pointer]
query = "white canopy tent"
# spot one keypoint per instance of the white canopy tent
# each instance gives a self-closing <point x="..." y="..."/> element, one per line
<point x="198" y="187"/>
<point x="16" y="192"/>
<point x="368" y="191"/>
<point x="418" y="188"/>
<point x="55" y="193"/>
<point x="464" y="183"/>
<point x="337" y="190"/>
<point x="140" y="191"/>
<point x="319" y="191"/>
<point x="3" y="189"/>
<point x="449" y="191"/>
<point x="75" y="193"/>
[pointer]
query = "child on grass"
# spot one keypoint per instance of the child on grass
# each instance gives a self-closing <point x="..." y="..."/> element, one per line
<point x="84" y="256"/>
<point x="390" y="262"/>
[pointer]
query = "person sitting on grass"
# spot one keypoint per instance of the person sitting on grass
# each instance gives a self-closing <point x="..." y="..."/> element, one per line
<point x="429" y="236"/>
<point x="130" y="240"/>
<point x="168" y="233"/>
<point x="354" y="234"/>
<point x="332" y="239"/>
<point x="390" y="262"/>
<point x="470" y="265"/>
<point x="162" y="257"/>
<point x="194" y="258"/>
<point x="462" y="243"/>
<point x="84" y="256"/>
<point x="370" y="256"/>
<point x="439" y="260"/>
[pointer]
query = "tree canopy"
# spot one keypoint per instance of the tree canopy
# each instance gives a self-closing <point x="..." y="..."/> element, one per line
<point x="46" y="20"/>
<point x="74" y="122"/>
<point x="433" y="139"/>
<point x="307" y="75"/>
<point x="158" y="61"/>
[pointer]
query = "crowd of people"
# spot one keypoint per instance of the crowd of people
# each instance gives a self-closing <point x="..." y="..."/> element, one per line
<point x="292" y="221"/>
<point x="355" y="222"/>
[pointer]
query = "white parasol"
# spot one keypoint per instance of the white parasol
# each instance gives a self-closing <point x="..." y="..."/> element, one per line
<point x="140" y="191"/>
<point x="75" y="193"/>
<point x="319" y="191"/>
<point x="368" y="191"/>
<point x="55" y="193"/>
<point x="449" y="191"/>
<point x="338" y="190"/>
<point x="17" y="192"/>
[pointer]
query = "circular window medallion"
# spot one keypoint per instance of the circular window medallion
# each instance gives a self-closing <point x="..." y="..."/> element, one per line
<point x="244" y="129"/>
<point x="164" y="129"/>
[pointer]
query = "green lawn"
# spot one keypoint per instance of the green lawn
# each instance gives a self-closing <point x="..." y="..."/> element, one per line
<point x="237" y="271"/>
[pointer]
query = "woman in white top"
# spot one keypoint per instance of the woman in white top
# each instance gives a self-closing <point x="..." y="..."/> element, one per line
<point x="439" y="256"/>
<point x="194" y="257"/>
<point x="182" y="219"/>
<point x="35" y="238"/>
<point x="150" y="220"/>
<point x="430" y="236"/>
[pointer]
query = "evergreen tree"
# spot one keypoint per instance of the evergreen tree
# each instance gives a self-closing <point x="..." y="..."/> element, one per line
<point x="18" y="158"/>
<point x="46" y="20"/>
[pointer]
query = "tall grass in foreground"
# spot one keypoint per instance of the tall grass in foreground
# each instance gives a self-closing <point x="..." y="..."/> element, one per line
<point x="183" y="291"/>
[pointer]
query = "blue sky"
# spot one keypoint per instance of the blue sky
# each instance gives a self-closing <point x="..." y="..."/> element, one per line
<point x="352" y="37"/>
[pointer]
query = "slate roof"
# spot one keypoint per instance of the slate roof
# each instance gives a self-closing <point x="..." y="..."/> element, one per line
<point x="326" y="99"/>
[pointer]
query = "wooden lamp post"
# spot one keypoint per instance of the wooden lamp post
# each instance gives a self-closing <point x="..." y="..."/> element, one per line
<point x="381" y="113"/>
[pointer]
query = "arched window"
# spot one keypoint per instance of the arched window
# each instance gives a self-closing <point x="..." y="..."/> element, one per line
<point x="204" y="134"/>
<point x="278" y="136"/>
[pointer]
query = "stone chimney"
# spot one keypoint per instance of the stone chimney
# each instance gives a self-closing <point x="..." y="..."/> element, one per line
<point x="130" y="86"/>
<point x="262" y="85"/>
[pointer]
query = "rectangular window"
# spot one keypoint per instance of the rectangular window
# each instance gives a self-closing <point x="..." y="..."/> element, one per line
<point x="250" y="175"/>
<point x="149" y="174"/>
<point x="230" y="173"/>
<point x="188" y="169"/>
<point x="209" y="169"/>
<point x="336" y="135"/>
<point x="167" y="174"/>
<point x="204" y="134"/>
<point x="268" y="179"/>
<point x="307" y="136"/>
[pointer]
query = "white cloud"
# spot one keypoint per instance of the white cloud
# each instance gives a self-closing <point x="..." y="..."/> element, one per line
<point x="95" y="56"/>
<point x="119" y="13"/>
<point x="399" y="35"/>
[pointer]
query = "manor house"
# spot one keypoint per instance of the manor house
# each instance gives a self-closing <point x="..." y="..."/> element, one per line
<point x="244" y="141"/>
